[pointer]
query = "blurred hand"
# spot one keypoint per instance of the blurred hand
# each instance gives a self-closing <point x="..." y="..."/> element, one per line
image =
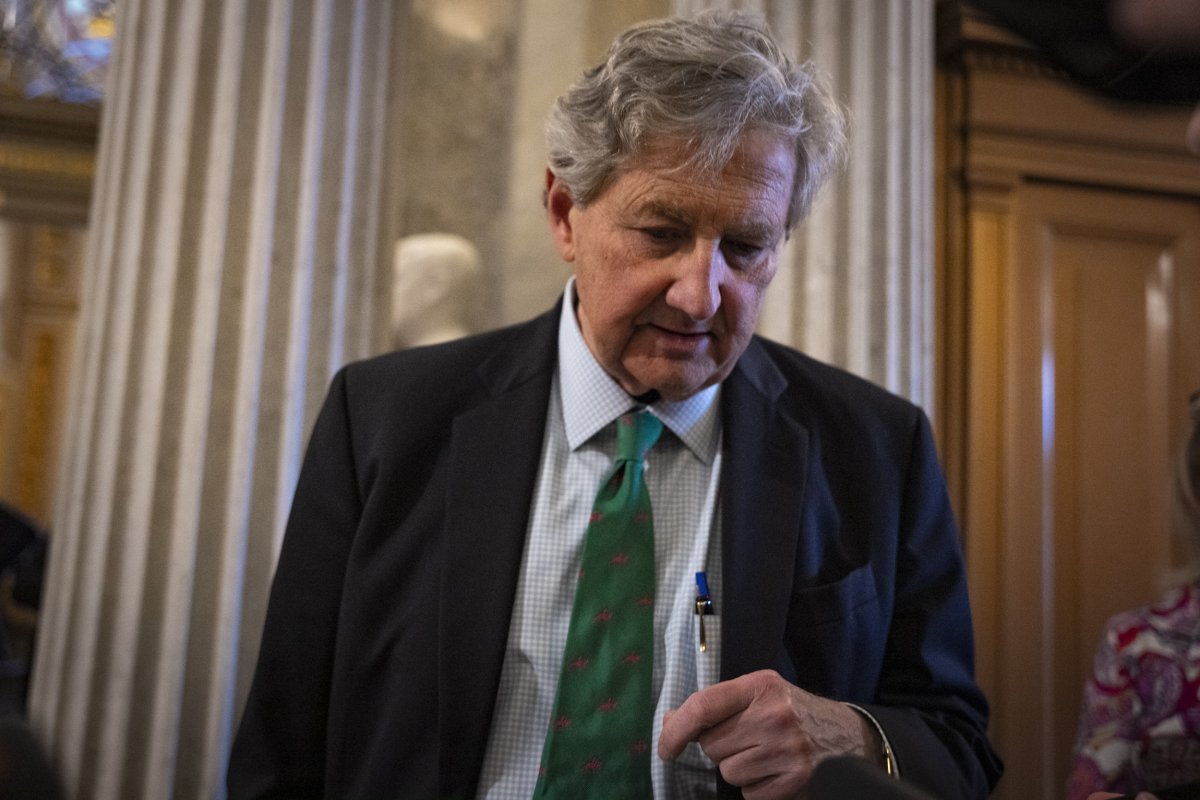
<point x="764" y="734"/>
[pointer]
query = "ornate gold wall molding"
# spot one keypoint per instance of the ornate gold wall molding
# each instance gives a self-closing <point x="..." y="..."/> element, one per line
<point x="40" y="321"/>
<point x="967" y="37"/>
<point x="37" y="428"/>
<point x="48" y="161"/>
<point x="55" y="254"/>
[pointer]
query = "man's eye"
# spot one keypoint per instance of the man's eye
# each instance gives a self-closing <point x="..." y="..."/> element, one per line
<point x="660" y="235"/>
<point x="742" y="251"/>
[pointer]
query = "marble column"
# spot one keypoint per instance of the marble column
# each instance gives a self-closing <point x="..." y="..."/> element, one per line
<point x="856" y="288"/>
<point x="233" y="263"/>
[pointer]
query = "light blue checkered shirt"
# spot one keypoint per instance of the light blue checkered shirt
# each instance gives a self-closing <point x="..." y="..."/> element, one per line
<point x="682" y="475"/>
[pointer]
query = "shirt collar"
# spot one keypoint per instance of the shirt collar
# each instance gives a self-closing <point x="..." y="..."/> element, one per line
<point x="591" y="399"/>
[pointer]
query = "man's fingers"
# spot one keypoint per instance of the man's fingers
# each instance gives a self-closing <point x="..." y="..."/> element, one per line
<point x="701" y="711"/>
<point x="706" y="709"/>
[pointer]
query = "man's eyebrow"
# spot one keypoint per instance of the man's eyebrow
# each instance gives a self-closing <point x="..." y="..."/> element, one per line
<point x="666" y="211"/>
<point x="752" y="229"/>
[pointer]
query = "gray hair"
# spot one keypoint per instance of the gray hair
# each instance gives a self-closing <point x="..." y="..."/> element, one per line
<point x="705" y="81"/>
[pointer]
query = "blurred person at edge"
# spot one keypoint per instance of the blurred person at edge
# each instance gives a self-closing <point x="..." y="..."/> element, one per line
<point x="1140" y="725"/>
<point x="1173" y="24"/>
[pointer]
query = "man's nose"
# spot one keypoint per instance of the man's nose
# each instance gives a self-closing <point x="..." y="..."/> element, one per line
<point x="696" y="288"/>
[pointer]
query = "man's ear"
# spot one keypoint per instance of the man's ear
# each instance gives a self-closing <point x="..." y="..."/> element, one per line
<point x="558" y="211"/>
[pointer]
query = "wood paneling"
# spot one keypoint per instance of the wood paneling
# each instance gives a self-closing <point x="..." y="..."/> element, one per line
<point x="1097" y="317"/>
<point x="1070" y="277"/>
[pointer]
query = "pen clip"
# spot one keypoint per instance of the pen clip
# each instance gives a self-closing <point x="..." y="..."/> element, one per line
<point x="704" y="607"/>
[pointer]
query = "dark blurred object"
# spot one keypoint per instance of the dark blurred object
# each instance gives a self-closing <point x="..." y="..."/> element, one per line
<point x="16" y="533"/>
<point x="848" y="777"/>
<point x="1078" y="37"/>
<point x="22" y="566"/>
<point x="25" y="772"/>
<point x="1189" y="791"/>
<point x="28" y="573"/>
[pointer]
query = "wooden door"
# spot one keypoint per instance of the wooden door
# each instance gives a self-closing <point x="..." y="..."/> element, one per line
<point x="1085" y="344"/>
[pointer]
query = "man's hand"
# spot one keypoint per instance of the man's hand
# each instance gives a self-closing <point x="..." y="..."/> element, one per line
<point x="764" y="734"/>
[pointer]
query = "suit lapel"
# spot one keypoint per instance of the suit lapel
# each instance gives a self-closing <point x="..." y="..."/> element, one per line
<point x="495" y="450"/>
<point x="762" y="491"/>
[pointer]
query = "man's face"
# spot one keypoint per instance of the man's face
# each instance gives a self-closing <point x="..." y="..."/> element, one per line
<point x="671" y="264"/>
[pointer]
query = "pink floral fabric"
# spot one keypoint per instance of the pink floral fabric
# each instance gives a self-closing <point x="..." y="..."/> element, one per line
<point x="1140" y="724"/>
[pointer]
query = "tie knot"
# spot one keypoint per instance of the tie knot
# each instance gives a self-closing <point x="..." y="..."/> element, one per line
<point x="637" y="431"/>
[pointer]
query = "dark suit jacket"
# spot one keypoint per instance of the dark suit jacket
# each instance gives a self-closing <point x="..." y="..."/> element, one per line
<point x="390" y="607"/>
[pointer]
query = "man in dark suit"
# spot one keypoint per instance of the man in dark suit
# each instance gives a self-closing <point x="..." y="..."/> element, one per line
<point x="417" y="621"/>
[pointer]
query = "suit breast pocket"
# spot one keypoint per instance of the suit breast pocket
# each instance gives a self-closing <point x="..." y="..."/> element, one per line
<point x="829" y="602"/>
<point x="836" y="635"/>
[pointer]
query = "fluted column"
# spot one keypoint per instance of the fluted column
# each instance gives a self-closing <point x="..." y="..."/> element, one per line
<point x="856" y="287"/>
<point x="233" y="263"/>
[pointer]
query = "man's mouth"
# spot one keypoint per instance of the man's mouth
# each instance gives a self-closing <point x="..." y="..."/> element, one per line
<point x="676" y="342"/>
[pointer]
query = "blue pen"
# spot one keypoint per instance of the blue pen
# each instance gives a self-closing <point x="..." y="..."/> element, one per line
<point x="704" y="606"/>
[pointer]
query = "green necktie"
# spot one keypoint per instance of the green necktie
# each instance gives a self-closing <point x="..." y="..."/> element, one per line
<point x="598" y="744"/>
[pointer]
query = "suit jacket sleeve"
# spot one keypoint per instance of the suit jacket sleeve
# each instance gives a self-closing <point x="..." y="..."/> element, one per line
<point x="927" y="701"/>
<point x="280" y="746"/>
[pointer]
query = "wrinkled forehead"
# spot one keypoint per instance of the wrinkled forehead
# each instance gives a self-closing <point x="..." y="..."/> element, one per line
<point x="765" y="158"/>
